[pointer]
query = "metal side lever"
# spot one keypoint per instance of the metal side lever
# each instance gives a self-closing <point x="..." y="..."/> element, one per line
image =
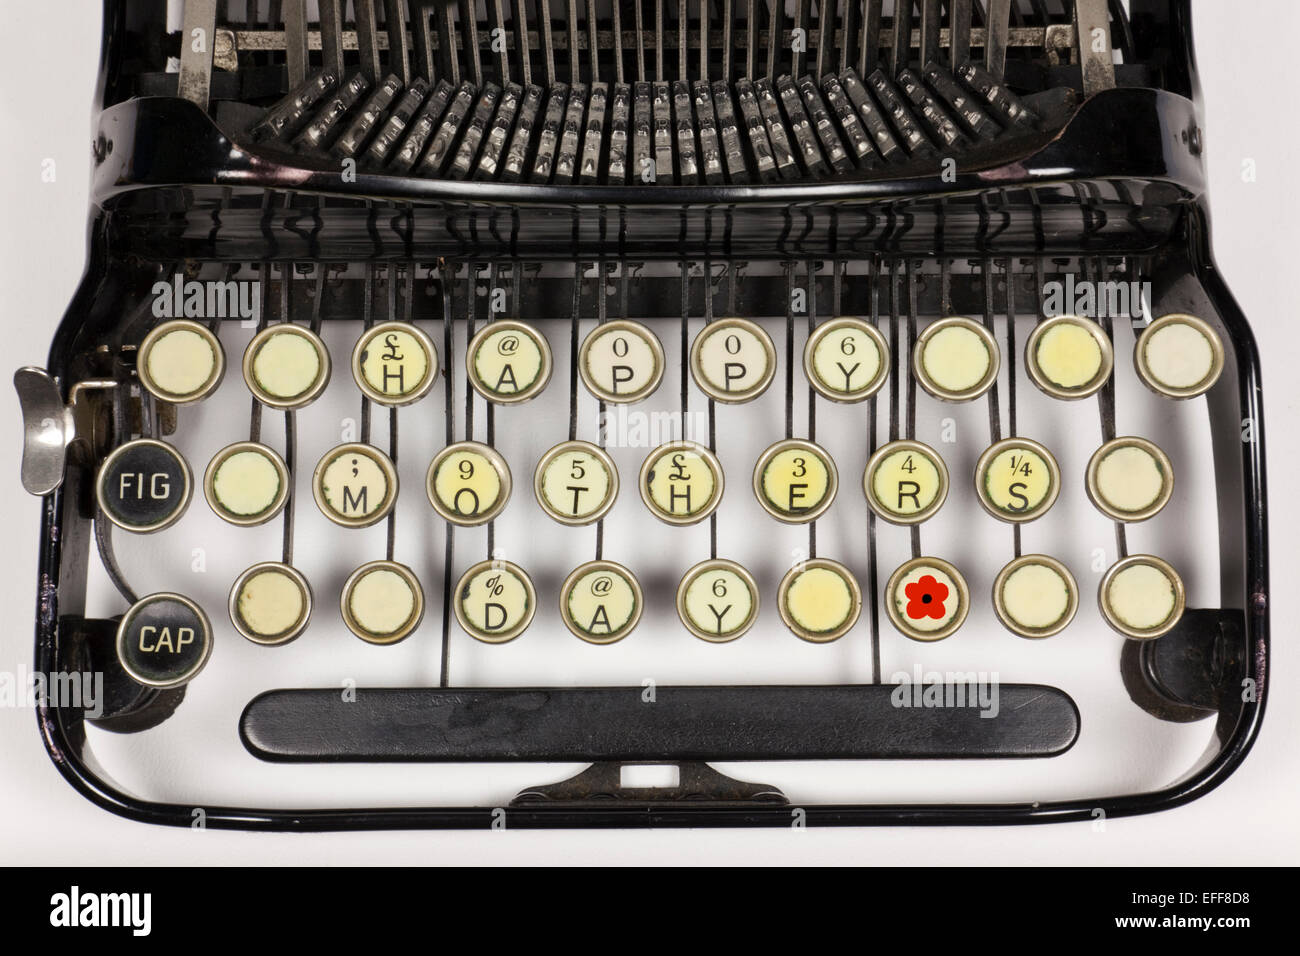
<point x="49" y="426"/>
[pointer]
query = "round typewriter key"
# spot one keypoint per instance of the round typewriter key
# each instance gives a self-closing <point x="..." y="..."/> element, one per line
<point x="1130" y="479"/>
<point x="1017" y="479"/>
<point x="927" y="599"/>
<point x="733" y="360"/>
<point x="1069" y="357"/>
<point x="246" y="483"/>
<point x="1035" y="596"/>
<point x="164" y="640"/>
<point x="681" y="482"/>
<point x="905" y="482"/>
<point x="795" y="480"/>
<point x="621" y="362"/>
<point x="286" y="366"/>
<point x="355" y="485"/>
<point x="601" y="602"/>
<point x="717" y="600"/>
<point x="382" y="602"/>
<point x="468" y="483"/>
<point x="846" y="359"/>
<point x="181" y="362"/>
<point x="394" y="363"/>
<point x="508" y="362"/>
<point x="1142" y="596"/>
<point x="576" y="482"/>
<point x="144" y="486"/>
<point x="956" y="359"/>
<point x="1179" y="356"/>
<point x="270" y="603"/>
<point x="495" y="601"/>
<point x="819" y="600"/>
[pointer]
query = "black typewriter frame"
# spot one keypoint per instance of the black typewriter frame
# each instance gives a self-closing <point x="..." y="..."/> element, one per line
<point x="64" y="539"/>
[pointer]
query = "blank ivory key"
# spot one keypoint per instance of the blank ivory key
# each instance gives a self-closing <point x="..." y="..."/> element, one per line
<point x="494" y="601"/>
<point x="1069" y="357"/>
<point x="181" y="361"/>
<point x="1035" y="596"/>
<point x="576" y="482"/>
<point x="270" y="603"/>
<point x="164" y="640"/>
<point x="382" y="602"/>
<point x="795" y="480"/>
<point x="621" y="362"/>
<point x="717" y="600"/>
<point x="819" y="600"/>
<point x="1179" y="356"/>
<point x="846" y="359"/>
<point x="927" y="599"/>
<point x="144" y="486"/>
<point x="394" y="363"/>
<point x="1130" y="479"/>
<point x="286" y="366"/>
<point x="681" y="482"/>
<point x="733" y="360"/>
<point x="956" y="359"/>
<point x="1017" y="479"/>
<point x="508" y="362"/>
<point x="601" y="602"/>
<point x="905" y="482"/>
<point x="355" y="485"/>
<point x="246" y="483"/>
<point x="1142" y="596"/>
<point x="468" y="483"/>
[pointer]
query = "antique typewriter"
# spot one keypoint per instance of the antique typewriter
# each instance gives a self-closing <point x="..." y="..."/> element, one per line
<point x="842" y="398"/>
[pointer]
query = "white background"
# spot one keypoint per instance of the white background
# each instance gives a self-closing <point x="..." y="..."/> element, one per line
<point x="48" y="56"/>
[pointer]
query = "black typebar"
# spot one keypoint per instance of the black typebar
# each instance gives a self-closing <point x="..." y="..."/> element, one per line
<point x="666" y="723"/>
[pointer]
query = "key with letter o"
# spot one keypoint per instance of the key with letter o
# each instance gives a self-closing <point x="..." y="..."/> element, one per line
<point x="164" y="640"/>
<point x="468" y="483"/>
<point x="144" y="486"/>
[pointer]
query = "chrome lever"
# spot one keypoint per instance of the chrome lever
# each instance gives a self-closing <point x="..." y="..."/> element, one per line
<point x="49" y="426"/>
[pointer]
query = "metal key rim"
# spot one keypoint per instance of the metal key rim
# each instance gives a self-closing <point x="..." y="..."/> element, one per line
<point x="816" y="451"/>
<point x="710" y="460"/>
<point x="1066" y="393"/>
<point x="963" y="594"/>
<point x="290" y="633"/>
<point x="855" y="599"/>
<point x="154" y="526"/>
<point x="587" y="448"/>
<point x="981" y="485"/>
<point x="612" y="567"/>
<point x="543" y="372"/>
<point x="697" y="358"/>
<point x="130" y="615"/>
<point x="498" y="465"/>
<point x="883" y="452"/>
<point x="643" y="333"/>
<point x="834" y="325"/>
<point x="417" y="597"/>
<point x="704" y="567"/>
<point x="385" y="465"/>
<point x="176" y="325"/>
<point x="519" y="574"/>
<point x="302" y="399"/>
<point x="1175" y="582"/>
<point x="999" y="602"/>
<point x="1216" y="356"/>
<point x="407" y="398"/>
<point x="277" y="503"/>
<point x="954" y="395"/>
<point x="1099" y="500"/>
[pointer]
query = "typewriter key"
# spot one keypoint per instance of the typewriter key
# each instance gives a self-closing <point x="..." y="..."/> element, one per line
<point x="1017" y="480"/>
<point x="819" y="600"/>
<point x="246" y="483"/>
<point x="1069" y="357"/>
<point x="717" y="600"/>
<point x="468" y="483"/>
<point x="394" y="363"/>
<point x="495" y="601"/>
<point x="355" y="485"/>
<point x="621" y="362"/>
<point x="576" y="482"/>
<point x="508" y="362"/>
<point x="181" y="362"/>
<point x="733" y="360"/>
<point x="382" y="602"/>
<point x="144" y="486"/>
<point x="927" y="599"/>
<point x="1035" y="596"/>
<point x="1179" y="356"/>
<point x="681" y="482"/>
<point x="601" y="602"/>
<point x="956" y="359"/>
<point x="905" y="482"/>
<point x="795" y="480"/>
<point x="164" y="640"/>
<point x="846" y="360"/>
<point x="270" y="603"/>
<point x="1130" y="479"/>
<point x="1142" y="596"/>
<point x="286" y="366"/>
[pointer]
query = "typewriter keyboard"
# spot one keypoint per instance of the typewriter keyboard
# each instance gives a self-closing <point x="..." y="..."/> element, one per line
<point x="877" y="471"/>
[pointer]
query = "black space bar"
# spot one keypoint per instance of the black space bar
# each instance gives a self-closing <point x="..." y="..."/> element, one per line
<point x="681" y="723"/>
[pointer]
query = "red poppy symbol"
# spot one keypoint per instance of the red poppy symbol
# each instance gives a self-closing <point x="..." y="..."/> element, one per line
<point x="925" y="598"/>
